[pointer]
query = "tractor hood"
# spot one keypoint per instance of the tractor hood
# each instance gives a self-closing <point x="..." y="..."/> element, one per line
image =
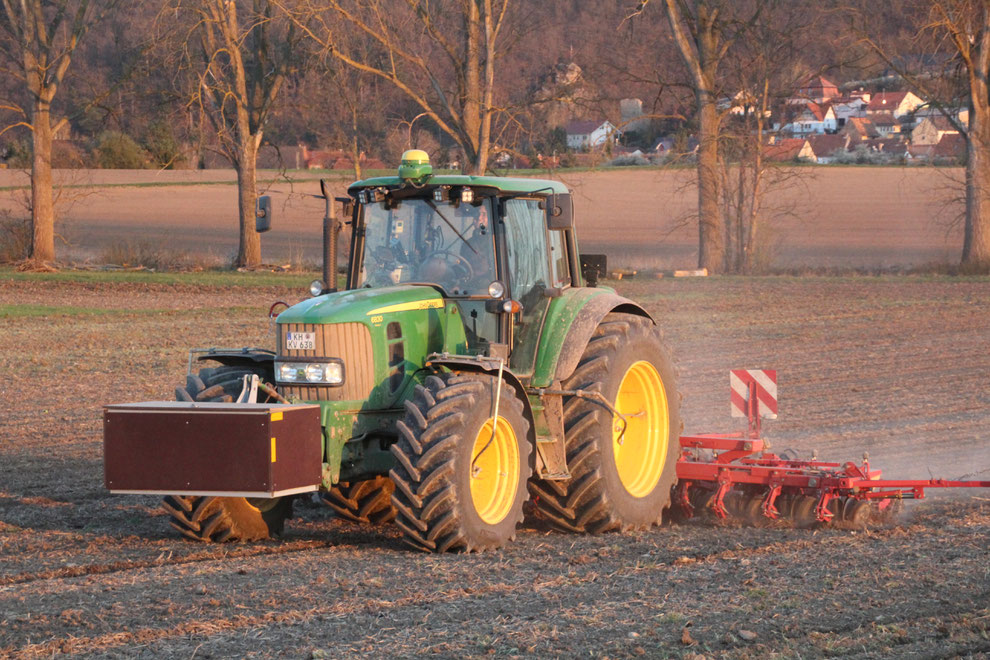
<point x="363" y="305"/>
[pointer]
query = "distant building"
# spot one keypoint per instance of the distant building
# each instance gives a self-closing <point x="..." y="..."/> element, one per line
<point x="584" y="133"/>
<point x="632" y="115"/>
<point x="817" y="89"/>
<point x="825" y="147"/>
<point x="859" y="129"/>
<point x="951" y="148"/>
<point x="895" y="103"/>
<point x="812" y="119"/>
<point x="931" y="129"/>
<point x="788" y="149"/>
<point x="885" y="123"/>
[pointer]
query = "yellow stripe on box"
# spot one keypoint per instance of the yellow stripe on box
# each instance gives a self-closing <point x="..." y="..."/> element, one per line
<point x="277" y="416"/>
<point x="408" y="307"/>
<point x="273" y="449"/>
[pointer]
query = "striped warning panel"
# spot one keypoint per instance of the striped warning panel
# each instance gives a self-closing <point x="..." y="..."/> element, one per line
<point x="740" y="381"/>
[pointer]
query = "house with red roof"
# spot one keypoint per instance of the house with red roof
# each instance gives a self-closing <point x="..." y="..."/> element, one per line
<point x="950" y="149"/>
<point x="895" y="103"/>
<point x="859" y="129"/>
<point x="817" y="89"/>
<point x="824" y="148"/>
<point x="885" y="123"/>
<point x="788" y="149"/>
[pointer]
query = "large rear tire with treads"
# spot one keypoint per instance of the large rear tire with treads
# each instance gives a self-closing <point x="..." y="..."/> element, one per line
<point x="622" y="473"/>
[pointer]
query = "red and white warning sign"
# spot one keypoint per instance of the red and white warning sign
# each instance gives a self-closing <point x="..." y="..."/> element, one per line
<point x="762" y="382"/>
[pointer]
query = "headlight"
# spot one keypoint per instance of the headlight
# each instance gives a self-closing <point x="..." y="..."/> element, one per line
<point x="314" y="373"/>
<point x="321" y="373"/>
<point x="316" y="288"/>
<point x="496" y="289"/>
<point x="288" y="372"/>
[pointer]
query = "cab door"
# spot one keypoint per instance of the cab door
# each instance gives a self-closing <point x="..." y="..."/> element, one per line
<point x="527" y="267"/>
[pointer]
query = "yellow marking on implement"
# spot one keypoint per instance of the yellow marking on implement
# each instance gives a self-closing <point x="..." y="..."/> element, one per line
<point x="277" y="417"/>
<point x="273" y="450"/>
<point x="407" y="307"/>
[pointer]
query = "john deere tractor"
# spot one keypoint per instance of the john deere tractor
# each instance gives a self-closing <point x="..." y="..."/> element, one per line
<point x="462" y="370"/>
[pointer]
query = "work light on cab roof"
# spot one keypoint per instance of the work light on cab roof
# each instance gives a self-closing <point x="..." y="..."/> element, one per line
<point x="415" y="166"/>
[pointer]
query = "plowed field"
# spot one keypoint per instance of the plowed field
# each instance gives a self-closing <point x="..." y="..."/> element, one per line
<point x="822" y="217"/>
<point x="895" y="366"/>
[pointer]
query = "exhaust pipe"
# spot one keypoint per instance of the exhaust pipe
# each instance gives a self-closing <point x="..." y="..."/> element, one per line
<point x="331" y="229"/>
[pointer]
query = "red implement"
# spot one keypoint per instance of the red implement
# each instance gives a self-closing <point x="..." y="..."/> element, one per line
<point x="716" y="469"/>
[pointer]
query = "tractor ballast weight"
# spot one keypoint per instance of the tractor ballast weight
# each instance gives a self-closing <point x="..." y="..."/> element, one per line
<point x="462" y="370"/>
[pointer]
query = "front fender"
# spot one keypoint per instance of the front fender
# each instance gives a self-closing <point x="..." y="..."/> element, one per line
<point x="570" y="323"/>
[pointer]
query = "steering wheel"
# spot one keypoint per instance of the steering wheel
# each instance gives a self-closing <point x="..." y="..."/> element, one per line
<point x="451" y="258"/>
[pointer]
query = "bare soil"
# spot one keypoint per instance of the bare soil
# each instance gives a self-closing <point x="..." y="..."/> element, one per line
<point x="895" y="366"/>
<point x="820" y="217"/>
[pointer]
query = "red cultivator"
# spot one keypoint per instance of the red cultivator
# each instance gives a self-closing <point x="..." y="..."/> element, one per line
<point x="733" y="474"/>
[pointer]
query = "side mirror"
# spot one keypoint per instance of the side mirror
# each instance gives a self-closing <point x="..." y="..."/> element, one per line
<point x="263" y="214"/>
<point x="559" y="211"/>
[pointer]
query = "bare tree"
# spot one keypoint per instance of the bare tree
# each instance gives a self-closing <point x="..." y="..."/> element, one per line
<point x="40" y="38"/>
<point x="442" y="56"/>
<point x="241" y="58"/>
<point x="948" y="64"/>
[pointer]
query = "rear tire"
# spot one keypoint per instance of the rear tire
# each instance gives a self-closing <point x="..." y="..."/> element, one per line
<point x="617" y="483"/>
<point x="368" y="501"/>
<point x="459" y="486"/>
<point x="219" y="519"/>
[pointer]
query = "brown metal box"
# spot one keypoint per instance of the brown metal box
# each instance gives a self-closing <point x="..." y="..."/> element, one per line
<point x="231" y="449"/>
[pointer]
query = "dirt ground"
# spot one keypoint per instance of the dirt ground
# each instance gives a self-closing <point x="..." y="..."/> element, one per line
<point x="820" y="217"/>
<point x="895" y="366"/>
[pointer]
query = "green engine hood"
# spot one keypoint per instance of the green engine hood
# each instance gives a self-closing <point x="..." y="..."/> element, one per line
<point x="363" y="305"/>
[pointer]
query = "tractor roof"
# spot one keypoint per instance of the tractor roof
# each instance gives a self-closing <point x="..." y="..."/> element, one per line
<point x="503" y="184"/>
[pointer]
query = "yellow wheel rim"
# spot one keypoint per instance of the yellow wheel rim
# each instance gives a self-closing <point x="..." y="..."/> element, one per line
<point x="641" y="451"/>
<point x="495" y="471"/>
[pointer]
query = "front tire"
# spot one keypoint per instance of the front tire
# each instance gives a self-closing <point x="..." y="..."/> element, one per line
<point x="460" y="481"/>
<point x="621" y="478"/>
<point x="217" y="519"/>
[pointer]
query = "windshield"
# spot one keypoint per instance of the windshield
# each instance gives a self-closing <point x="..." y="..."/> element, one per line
<point x="427" y="242"/>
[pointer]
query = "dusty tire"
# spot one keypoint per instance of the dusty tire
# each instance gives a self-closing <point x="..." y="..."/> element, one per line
<point x="368" y="501"/>
<point x="221" y="384"/>
<point x="613" y="485"/>
<point x="219" y="519"/>
<point x="445" y="500"/>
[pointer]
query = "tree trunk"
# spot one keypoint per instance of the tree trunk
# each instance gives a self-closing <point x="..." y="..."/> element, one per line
<point x="471" y="103"/>
<point x="709" y="220"/>
<point x="976" y="235"/>
<point x="249" y="250"/>
<point x="42" y="206"/>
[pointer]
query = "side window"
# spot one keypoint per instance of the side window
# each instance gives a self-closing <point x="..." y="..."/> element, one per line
<point x="526" y="241"/>
<point x="529" y="276"/>
<point x="559" y="275"/>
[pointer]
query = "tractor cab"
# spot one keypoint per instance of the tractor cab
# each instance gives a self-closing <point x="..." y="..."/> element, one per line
<point x="496" y="248"/>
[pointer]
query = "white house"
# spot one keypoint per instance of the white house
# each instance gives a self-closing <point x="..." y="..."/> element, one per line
<point x="896" y="103"/>
<point x="583" y="133"/>
<point x="813" y="119"/>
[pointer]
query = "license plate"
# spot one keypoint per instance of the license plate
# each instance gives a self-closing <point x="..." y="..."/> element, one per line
<point x="300" y="341"/>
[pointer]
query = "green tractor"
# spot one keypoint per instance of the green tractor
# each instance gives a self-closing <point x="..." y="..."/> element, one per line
<point x="462" y="371"/>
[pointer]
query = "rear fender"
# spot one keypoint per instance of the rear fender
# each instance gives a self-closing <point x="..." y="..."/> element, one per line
<point x="571" y="321"/>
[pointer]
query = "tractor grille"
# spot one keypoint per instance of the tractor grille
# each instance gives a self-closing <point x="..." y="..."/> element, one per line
<point x="351" y="342"/>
